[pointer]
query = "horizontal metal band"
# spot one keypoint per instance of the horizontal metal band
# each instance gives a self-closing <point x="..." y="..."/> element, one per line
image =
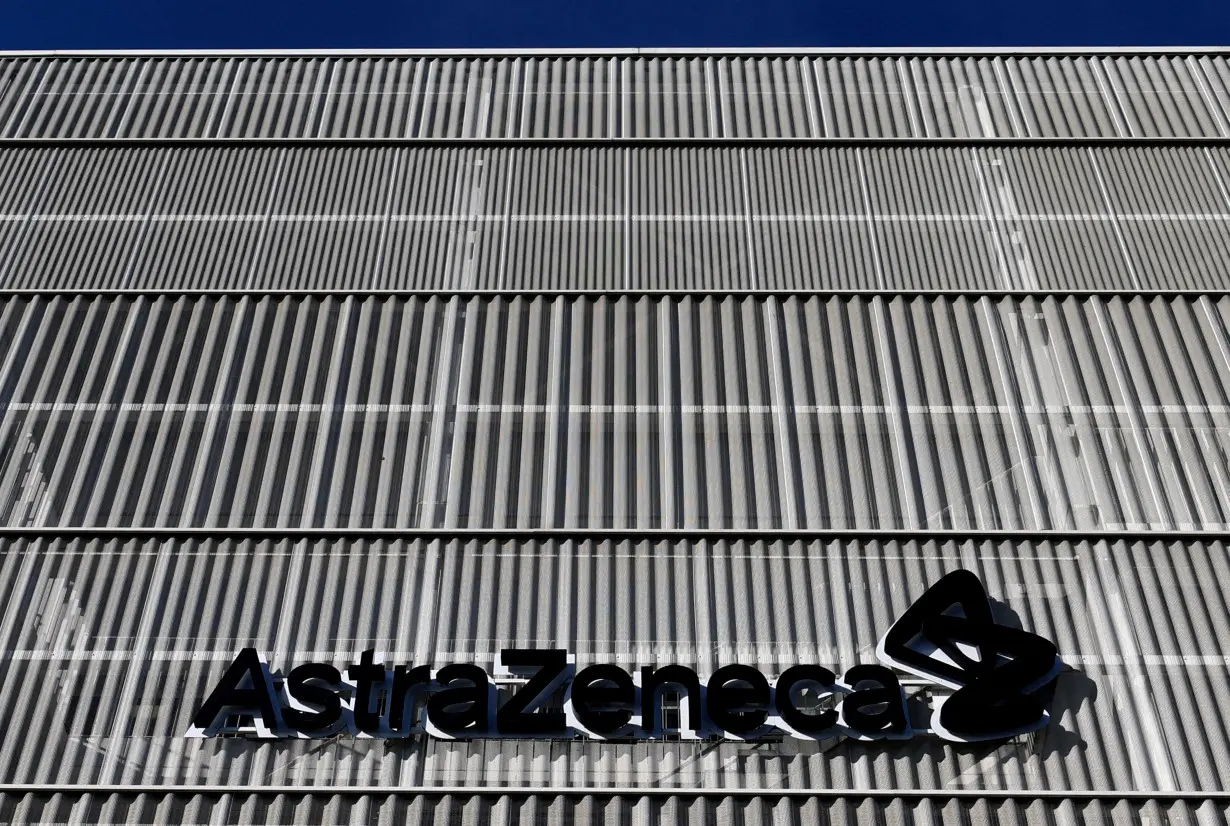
<point x="618" y="534"/>
<point x="622" y="791"/>
<point x="1078" y="51"/>
<point x="172" y="292"/>
<point x="625" y="141"/>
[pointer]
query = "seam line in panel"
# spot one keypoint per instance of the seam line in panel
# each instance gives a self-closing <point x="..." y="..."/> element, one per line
<point x="133" y="97"/>
<point x="240" y="72"/>
<point x="1027" y="461"/>
<point x="1114" y="219"/>
<point x="825" y="134"/>
<point x="890" y="373"/>
<point x="785" y="466"/>
<point x="320" y="102"/>
<point x="993" y="218"/>
<point x="1008" y="88"/>
<point x="717" y="112"/>
<point x="1221" y="185"/>
<point x="747" y="218"/>
<point x="909" y="98"/>
<point x="258" y="251"/>
<point x="382" y="258"/>
<point x="133" y="675"/>
<point x="628" y="219"/>
<point x="1137" y="428"/>
<point x="871" y="228"/>
<point x="505" y="230"/>
<point x="1114" y="106"/>
<point x="1215" y="111"/>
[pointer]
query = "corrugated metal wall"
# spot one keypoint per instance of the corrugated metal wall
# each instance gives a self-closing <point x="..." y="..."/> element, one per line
<point x="352" y="410"/>
<point x="692" y="412"/>
<point x="521" y="810"/>
<point x="110" y="681"/>
<point x="616" y="96"/>
<point x="615" y="218"/>
<point x="515" y="810"/>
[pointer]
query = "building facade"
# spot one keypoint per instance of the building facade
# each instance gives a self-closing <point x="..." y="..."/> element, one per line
<point x="654" y="358"/>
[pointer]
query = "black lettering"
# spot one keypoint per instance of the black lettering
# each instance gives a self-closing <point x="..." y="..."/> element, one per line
<point x="463" y="703"/>
<point x="738" y="699"/>
<point x="406" y="685"/>
<point x="802" y="721"/>
<point x="367" y="677"/>
<point x="229" y="695"/>
<point x="303" y="684"/>
<point x="652" y="681"/>
<point x="890" y="719"/>
<point x="517" y="715"/>
<point x="602" y="698"/>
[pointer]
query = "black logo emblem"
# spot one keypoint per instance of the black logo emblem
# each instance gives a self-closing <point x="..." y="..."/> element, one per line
<point x="949" y="636"/>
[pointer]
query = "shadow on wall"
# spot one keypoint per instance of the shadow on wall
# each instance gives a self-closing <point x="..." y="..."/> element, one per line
<point x="1065" y="696"/>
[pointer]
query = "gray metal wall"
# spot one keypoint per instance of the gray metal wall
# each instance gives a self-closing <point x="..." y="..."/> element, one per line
<point x="141" y="628"/>
<point x="328" y="311"/>
<point x="518" y="810"/>
<point x="1023" y="218"/>
<point x="616" y="96"/>
<point x="686" y="412"/>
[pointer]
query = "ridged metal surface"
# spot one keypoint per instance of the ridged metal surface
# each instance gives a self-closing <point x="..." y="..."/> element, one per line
<point x="518" y="810"/>
<point x="616" y="96"/>
<point x="109" y="645"/>
<point x="353" y="411"/>
<point x="615" y="218"/>
<point x="736" y="412"/>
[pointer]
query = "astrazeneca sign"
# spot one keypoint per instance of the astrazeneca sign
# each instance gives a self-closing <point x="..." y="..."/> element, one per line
<point x="997" y="675"/>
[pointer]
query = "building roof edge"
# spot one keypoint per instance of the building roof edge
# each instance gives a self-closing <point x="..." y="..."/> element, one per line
<point x="949" y="51"/>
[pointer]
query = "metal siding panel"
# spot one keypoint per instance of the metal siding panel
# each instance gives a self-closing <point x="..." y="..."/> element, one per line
<point x="371" y="98"/>
<point x="24" y="172"/>
<point x="1161" y="97"/>
<point x="600" y="96"/>
<point x="1044" y="415"/>
<point x="80" y="98"/>
<point x="764" y="97"/>
<point x="563" y="98"/>
<point x="1118" y="612"/>
<point x="689" y="221"/>
<point x="863" y="97"/>
<point x="537" y="218"/>
<point x="221" y="182"/>
<point x="179" y="98"/>
<point x="1060" y="97"/>
<point x="566" y="221"/>
<point x="666" y="97"/>
<point x="20" y="78"/>
<point x="961" y="97"/>
<point x="277" y="98"/>
<point x="1212" y="75"/>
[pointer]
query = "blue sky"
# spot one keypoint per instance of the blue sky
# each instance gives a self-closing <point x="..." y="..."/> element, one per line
<point x="99" y="24"/>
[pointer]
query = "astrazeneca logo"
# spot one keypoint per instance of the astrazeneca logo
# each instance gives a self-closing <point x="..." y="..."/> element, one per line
<point x="948" y="637"/>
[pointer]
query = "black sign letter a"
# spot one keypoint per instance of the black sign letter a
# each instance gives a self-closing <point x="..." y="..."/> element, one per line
<point x="228" y="693"/>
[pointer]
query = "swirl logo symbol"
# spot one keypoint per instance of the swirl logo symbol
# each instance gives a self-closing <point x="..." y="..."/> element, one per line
<point x="949" y="636"/>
